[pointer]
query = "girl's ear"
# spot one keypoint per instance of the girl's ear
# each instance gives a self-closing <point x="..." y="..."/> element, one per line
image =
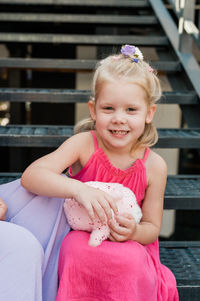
<point x="150" y="113"/>
<point x="91" y="106"/>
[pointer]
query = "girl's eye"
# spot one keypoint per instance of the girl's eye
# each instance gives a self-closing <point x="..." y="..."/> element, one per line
<point x="131" y="109"/>
<point x="108" y="108"/>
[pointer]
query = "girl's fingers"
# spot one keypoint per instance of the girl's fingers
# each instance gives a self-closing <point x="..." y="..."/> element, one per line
<point x="115" y="228"/>
<point x="116" y="236"/>
<point x="124" y="221"/>
<point x="90" y="211"/>
<point x="123" y="229"/>
<point x="106" y="207"/>
<point x="112" y="204"/>
<point x="111" y="238"/>
<point x="99" y="211"/>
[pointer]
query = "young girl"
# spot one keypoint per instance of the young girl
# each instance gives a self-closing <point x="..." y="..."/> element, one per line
<point x="114" y="147"/>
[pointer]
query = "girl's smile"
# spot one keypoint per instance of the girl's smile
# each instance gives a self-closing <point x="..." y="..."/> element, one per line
<point x="119" y="133"/>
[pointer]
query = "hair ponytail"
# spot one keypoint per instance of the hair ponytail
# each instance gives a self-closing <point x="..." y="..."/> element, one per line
<point x="148" y="138"/>
<point x="84" y="125"/>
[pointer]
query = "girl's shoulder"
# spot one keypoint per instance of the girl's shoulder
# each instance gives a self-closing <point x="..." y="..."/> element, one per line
<point x="76" y="144"/>
<point x="84" y="148"/>
<point x="155" y="164"/>
<point x="83" y="138"/>
<point x="83" y="141"/>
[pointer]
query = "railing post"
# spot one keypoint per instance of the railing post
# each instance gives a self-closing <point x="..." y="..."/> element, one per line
<point x="187" y="10"/>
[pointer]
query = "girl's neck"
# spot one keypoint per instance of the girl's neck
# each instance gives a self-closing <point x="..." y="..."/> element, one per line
<point x="123" y="158"/>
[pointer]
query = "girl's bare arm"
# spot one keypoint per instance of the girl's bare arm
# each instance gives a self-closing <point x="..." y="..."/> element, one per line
<point x="44" y="177"/>
<point x="147" y="231"/>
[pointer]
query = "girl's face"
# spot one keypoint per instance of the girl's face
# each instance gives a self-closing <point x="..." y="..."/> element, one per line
<point x="120" y="113"/>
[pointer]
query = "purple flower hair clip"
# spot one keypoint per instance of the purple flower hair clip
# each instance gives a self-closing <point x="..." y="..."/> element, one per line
<point x="132" y="52"/>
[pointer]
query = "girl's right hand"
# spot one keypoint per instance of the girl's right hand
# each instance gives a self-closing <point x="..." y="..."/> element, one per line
<point x="3" y="210"/>
<point x="96" y="202"/>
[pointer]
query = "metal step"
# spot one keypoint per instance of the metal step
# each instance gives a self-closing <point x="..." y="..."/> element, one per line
<point x="78" y="18"/>
<point x="183" y="258"/>
<point x="100" y="3"/>
<point x="73" y="64"/>
<point x="83" y="39"/>
<point x="182" y="192"/>
<point x="80" y="96"/>
<point x="52" y="136"/>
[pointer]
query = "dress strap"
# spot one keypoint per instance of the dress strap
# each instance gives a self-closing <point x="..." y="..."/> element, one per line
<point x="95" y="140"/>
<point x="146" y="154"/>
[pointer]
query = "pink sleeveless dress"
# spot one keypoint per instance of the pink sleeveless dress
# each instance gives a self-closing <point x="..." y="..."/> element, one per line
<point x="113" y="271"/>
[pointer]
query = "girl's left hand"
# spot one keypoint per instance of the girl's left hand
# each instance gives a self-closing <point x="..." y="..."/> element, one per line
<point x="124" y="230"/>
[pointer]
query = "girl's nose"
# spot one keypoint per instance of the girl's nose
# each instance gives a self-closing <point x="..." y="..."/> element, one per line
<point x="119" y="117"/>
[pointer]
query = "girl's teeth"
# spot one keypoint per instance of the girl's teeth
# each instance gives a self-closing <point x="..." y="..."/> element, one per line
<point x="119" y="132"/>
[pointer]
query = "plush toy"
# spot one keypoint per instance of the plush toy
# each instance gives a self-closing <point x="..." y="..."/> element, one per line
<point x="79" y="219"/>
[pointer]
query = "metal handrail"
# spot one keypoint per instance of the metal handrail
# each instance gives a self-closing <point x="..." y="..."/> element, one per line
<point x="185" y="56"/>
<point x="185" y="12"/>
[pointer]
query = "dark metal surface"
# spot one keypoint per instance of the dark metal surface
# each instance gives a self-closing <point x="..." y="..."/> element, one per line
<point x="188" y="61"/>
<point x="73" y="64"/>
<point x="52" y="136"/>
<point x="181" y="193"/>
<point x="74" y="18"/>
<point x="179" y="138"/>
<point x="184" y="262"/>
<point x="183" y="259"/>
<point x="6" y="177"/>
<point x="105" y="3"/>
<point x="44" y="95"/>
<point x="78" y="96"/>
<point x="82" y="39"/>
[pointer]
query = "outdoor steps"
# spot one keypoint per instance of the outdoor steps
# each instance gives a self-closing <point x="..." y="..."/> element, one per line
<point x="182" y="258"/>
<point x="96" y="3"/>
<point x="53" y="136"/>
<point x="182" y="191"/>
<point x="82" y="96"/>
<point x="78" y="18"/>
<point x="90" y="13"/>
<point x="69" y="65"/>
<point x="82" y="39"/>
<point x="102" y="23"/>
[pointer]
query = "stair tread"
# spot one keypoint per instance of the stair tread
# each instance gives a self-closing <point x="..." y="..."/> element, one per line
<point x="183" y="261"/>
<point x="80" y="96"/>
<point x="83" y="39"/>
<point x="106" y="3"/>
<point x="73" y="64"/>
<point x="53" y="135"/>
<point x="77" y="18"/>
<point x="182" y="192"/>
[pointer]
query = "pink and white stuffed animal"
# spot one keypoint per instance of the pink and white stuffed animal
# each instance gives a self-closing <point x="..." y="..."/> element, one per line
<point x="79" y="219"/>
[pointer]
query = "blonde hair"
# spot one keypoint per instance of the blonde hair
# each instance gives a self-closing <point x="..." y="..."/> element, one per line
<point x="120" y="67"/>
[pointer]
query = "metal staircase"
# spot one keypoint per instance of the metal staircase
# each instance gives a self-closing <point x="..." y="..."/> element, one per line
<point x="49" y="26"/>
